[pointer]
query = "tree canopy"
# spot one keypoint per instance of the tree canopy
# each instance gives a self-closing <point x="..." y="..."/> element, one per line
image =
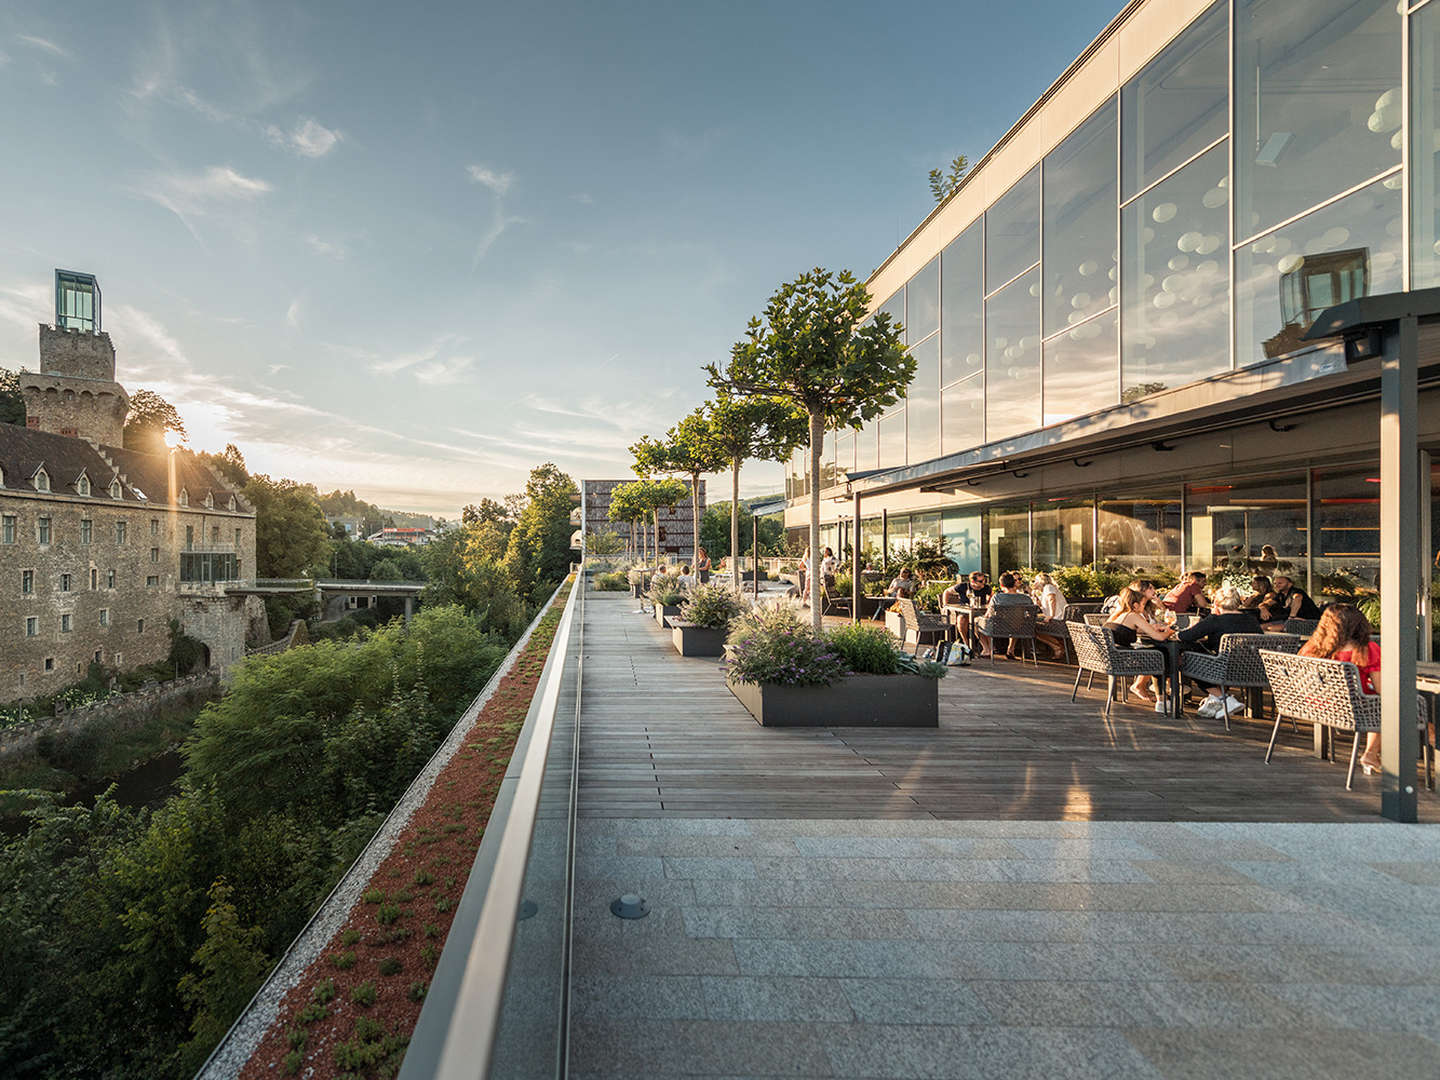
<point x="943" y="185"/>
<point x="149" y="418"/>
<point x="291" y="539"/>
<point x="12" y="404"/>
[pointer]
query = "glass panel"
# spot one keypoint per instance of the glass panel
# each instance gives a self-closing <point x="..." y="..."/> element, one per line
<point x="865" y="448"/>
<point x="845" y="461"/>
<point x="1140" y="534"/>
<point x="1317" y="103"/>
<point x="1012" y="326"/>
<point x="922" y="302"/>
<point x="1175" y="278"/>
<point x="1245" y="526"/>
<point x="827" y="460"/>
<point x="1063" y="533"/>
<point x="1081" y="370"/>
<point x="922" y="402"/>
<point x="895" y="307"/>
<point x="1425" y="146"/>
<point x="1079" y="232"/>
<point x="870" y="534"/>
<point x="964" y="530"/>
<point x="1007" y="539"/>
<point x="1347" y="523"/>
<point x="925" y="527"/>
<point x="892" y="440"/>
<point x="962" y="326"/>
<point x="1175" y="107"/>
<point x="1284" y="280"/>
<point x="964" y="415"/>
<point x="1012" y="231"/>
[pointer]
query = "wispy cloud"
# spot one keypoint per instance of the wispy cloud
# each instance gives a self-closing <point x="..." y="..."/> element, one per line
<point x="584" y="198"/>
<point x="192" y="195"/>
<point x="292" y="314"/>
<point x="330" y="249"/>
<point x="438" y="364"/>
<point x="44" y="45"/>
<point x="308" y="138"/>
<point x="498" y="182"/>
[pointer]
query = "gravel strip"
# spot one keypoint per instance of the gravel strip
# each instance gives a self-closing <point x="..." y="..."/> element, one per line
<point x="245" y="1035"/>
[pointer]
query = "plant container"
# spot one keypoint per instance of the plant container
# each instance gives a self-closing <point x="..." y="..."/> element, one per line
<point x="850" y="701"/>
<point x="692" y="639"/>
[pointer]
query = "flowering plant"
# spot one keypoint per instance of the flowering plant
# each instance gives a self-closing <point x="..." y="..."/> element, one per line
<point x="712" y="606"/>
<point x="772" y="645"/>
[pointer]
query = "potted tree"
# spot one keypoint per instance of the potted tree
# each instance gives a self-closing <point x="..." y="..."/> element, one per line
<point x="704" y="620"/>
<point x="788" y="676"/>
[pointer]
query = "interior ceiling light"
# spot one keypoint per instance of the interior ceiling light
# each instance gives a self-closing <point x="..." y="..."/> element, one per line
<point x="1274" y="146"/>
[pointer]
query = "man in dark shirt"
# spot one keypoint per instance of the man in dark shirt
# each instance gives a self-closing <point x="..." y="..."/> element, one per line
<point x="1227" y="617"/>
<point x="1291" y="602"/>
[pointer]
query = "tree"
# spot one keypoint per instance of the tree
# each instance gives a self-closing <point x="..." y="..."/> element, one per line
<point x="604" y="543"/>
<point x="750" y="428"/>
<point x="229" y="463"/>
<point x="943" y="186"/>
<point x="488" y="510"/>
<point x="538" y="553"/>
<point x="291" y="539"/>
<point x="715" y="531"/>
<point x="12" y="404"/>
<point x="627" y="504"/>
<point x="149" y="418"/>
<point x="659" y="495"/>
<point x="817" y="352"/>
<point x="386" y="570"/>
<point x="691" y="449"/>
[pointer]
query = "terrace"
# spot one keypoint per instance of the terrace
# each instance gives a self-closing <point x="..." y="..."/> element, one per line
<point x="1028" y="888"/>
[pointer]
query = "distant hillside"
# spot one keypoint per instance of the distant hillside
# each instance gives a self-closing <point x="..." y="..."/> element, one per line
<point x="346" y="504"/>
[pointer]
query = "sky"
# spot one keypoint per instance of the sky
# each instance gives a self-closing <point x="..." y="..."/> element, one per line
<point x="417" y="249"/>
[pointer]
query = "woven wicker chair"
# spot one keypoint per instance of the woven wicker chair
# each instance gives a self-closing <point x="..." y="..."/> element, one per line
<point x="1095" y="618"/>
<point x="923" y="626"/>
<point x="832" y="602"/>
<point x="1075" y="612"/>
<point x="1303" y="627"/>
<point x="1013" y="621"/>
<point x="1097" y="653"/>
<point x="1237" y="665"/>
<point x="1328" y="692"/>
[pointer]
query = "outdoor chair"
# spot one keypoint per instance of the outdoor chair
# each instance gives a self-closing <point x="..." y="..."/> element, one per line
<point x="831" y="602"/>
<point x="1327" y="692"/>
<point x="1184" y="620"/>
<point x="1304" y="627"/>
<point x="923" y="626"/>
<point x="1014" y="622"/>
<point x="1237" y="665"/>
<point x="1097" y="653"/>
<point x="1076" y="612"/>
<point x="1095" y="618"/>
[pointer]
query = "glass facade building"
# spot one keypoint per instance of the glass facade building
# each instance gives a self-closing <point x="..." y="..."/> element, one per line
<point x="1182" y="227"/>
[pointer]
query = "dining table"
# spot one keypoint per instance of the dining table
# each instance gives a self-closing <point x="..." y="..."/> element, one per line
<point x="1174" y="682"/>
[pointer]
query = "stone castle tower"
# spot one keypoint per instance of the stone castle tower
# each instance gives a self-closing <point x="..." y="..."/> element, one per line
<point x="75" y="392"/>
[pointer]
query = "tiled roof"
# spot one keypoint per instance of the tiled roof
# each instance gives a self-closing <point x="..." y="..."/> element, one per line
<point x="24" y="450"/>
<point x="151" y="474"/>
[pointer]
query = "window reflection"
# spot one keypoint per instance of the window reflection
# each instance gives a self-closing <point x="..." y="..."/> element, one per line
<point x="1012" y="358"/>
<point x="1317" y="106"/>
<point x="1079" y="231"/>
<point x="1012" y="231"/>
<point x="1007" y="539"/>
<point x="1283" y="280"/>
<point x="1175" y="107"/>
<point x="1347" y="519"/>
<point x="1081" y="370"/>
<point x="1247" y="526"/>
<point x="922" y="402"/>
<point x="895" y="308"/>
<point x="962" y="336"/>
<point x="1139" y="534"/>
<point x="845" y="453"/>
<point x="892" y="440"/>
<point x="1425" y="147"/>
<point x="865" y="457"/>
<point x="1175" y="279"/>
<point x="1063" y="533"/>
<point x="964" y="530"/>
<point x="922" y="303"/>
<point x="963" y="413"/>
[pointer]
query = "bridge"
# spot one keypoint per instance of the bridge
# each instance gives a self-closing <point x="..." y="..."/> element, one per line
<point x="322" y="588"/>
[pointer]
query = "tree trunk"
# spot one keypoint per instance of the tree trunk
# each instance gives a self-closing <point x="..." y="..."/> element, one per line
<point x="817" y="445"/>
<point x="735" y="524"/>
<point x="695" y="523"/>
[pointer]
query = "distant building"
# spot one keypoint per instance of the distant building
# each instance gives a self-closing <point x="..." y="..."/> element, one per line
<point x="100" y="547"/>
<point x="351" y="525"/>
<point x="401" y="537"/>
<point x="677" y="530"/>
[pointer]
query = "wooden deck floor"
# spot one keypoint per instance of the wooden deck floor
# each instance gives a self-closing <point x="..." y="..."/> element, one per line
<point x="661" y="735"/>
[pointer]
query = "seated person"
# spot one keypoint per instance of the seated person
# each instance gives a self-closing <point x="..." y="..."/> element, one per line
<point x="904" y="586"/>
<point x="685" y="580"/>
<point x="1131" y="623"/>
<point x="1290" y="602"/>
<point x="1008" y="596"/>
<point x="954" y="596"/>
<point x="1050" y="623"/>
<point x="1227" y="616"/>
<point x="977" y="588"/>
<point x="1344" y="634"/>
<point x="1262" y="593"/>
<point x="1189" y="595"/>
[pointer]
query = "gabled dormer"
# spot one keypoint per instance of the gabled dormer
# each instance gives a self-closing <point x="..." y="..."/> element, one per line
<point x="40" y="479"/>
<point x="209" y="500"/>
<point x="115" y="489"/>
<point x="82" y="483"/>
<point x="183" y="498"/>
<point x="2" y="476"/>
<point x="229" y="506"/>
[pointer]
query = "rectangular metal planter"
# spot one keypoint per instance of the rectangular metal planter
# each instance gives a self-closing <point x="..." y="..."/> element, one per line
<point x="895" y="623"/>
<point x="666" y="613"/>
<point x="853" y="701"/>
<point x="691" y="639"/>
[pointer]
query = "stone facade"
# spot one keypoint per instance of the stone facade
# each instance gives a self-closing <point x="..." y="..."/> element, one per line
<point x="677" y="530"/>
<point x="74" y="392"/>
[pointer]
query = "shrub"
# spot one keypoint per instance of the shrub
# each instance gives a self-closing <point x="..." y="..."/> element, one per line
<point x="293" y="1060"/>
<point x="614" y="582"/>
<point x="772" y="645"/>
<point x="423" y="877"/>
<point x="365" y="994"/>
<point x="374" y="896"/>
<point x="866" y="649"/>
<point x="350" y="937"/>
<point x="928" y="669"/>
<point x="665" y="593"/>
<point x="296" y="1038"/>
<point x="311" y="1014"/>
<point x="391" y="965"/>
<point x="417" y="991"/>
<point x="927" y="597"/>
<point x="388" y="913"/>
<point x="324" y="991"/>
<point x="712" y="606"/>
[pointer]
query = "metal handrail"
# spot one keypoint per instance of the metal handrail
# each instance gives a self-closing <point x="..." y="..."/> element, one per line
<point x="473" y="1026"/>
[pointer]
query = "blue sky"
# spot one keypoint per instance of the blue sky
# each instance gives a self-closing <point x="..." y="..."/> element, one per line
<point x="416" y="249"/>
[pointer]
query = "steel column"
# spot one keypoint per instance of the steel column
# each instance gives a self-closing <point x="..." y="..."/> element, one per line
<point x="1399" y="574"/>
<point x="855" y="589"/>
<point x="1427" y="562"/>
<point x="885" y="540"/>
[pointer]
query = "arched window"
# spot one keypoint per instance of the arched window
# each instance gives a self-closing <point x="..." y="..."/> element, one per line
<point x="115" y="489"/>
<point x="184" y="497"/>
<point x="209" y="500"/>
<point x="231" y="504"/>
<point x="42" y="480"/>
<point x="82" y="485"/>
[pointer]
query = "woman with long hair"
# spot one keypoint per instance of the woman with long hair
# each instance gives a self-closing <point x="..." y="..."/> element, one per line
<point x="1130" y="623"/>
<point x="1344" y="634"/>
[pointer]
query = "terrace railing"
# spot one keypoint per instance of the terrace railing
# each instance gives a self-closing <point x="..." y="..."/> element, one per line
<point x="498" y="1004"/>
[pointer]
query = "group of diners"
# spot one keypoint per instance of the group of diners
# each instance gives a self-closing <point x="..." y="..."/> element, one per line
<point x="973" y="591"/>
<point x="1272" y="601"/>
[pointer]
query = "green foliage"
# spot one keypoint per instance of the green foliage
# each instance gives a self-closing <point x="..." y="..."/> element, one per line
<point x="715" y="531"/>
<point x="390" y="965"/>
<point x="712" y="606"/>
<point x="291" y="539"/>
<point x="772" y="645"/>
<point x="324" y="991"/>
<point x="365" y="994"/>
<point x="417" y="990"/>
<point x="386" y="570"/>
<point x="149" y="418"/>
<point x="231" y="964"/>
<point x="371" y="1050"/>
<point x="665" y="592"/>
<point x="865" y="648"/>
<point x="927" y="597"/>
<point x="608" y="542"/>
<point x="229" y="463"/>
<point x="12" y="402"/>
<point x="292" y="1062"/>
<point x="616" y="582"/>
<point x="187" y="654"/>
<point x="929" y="560"/>
<point x="344" y="961"/>
<point x="928" y="669"/>
<point x="943" y="185"/>
<point x="537" y="557"/>
<point x="387" y="914"/>
<point x="462" y="568"/>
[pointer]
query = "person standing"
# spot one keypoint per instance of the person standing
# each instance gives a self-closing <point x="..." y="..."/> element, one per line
<point x="702" y="565"/>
